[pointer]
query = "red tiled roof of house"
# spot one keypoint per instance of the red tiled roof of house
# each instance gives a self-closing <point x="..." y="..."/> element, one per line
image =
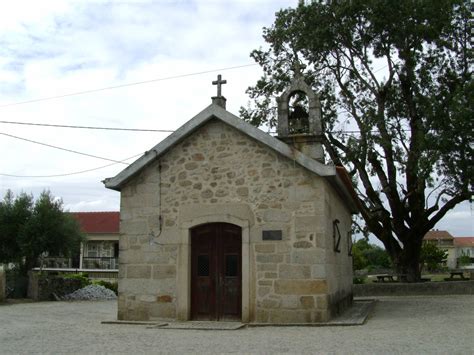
<point x="436" y="235"/>
<point x="464" y="242"/>
<point x="98" y="222"/>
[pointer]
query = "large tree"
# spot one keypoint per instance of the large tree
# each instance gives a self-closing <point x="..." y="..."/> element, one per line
<point x="395" y="83"/>
<point x="30" y="228"/>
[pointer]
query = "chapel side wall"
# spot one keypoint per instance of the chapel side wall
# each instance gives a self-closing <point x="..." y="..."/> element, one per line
<point x="339" y="264"/>
<point x="220" y="171"/>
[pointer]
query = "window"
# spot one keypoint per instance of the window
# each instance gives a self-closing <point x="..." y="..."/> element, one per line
<point x="92" y="250"/>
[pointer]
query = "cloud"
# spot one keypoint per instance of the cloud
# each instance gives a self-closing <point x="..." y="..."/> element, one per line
<point x="459" y="221"/>
<point x="52" y="48"/>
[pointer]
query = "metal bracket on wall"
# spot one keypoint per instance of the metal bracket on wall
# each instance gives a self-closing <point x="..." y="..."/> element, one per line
<point x="349" y="243"/>
<point x="336" y="239"/>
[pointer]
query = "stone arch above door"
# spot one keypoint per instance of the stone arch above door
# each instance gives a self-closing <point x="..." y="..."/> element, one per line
<point x="184" y="261"/>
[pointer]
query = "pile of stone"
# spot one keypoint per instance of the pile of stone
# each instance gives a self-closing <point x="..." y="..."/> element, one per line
<point x="91" y="293"/>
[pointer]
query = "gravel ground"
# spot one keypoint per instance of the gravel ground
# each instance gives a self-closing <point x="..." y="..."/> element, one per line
<point x="398" y="325"/>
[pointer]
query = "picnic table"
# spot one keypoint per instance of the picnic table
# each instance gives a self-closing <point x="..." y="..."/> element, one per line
<point x="454" y="273"/>
<point x="385" y="278"/>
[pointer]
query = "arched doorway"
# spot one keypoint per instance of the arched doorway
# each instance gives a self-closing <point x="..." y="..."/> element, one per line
<point x="216" y="272"/>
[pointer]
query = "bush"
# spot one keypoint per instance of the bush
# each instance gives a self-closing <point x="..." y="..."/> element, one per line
<point x="110" y="285"/>
<point x="464" y="260"/>
<point x="81" y="276"/>
<point x="16" y="283"/>
<point x="369" y="256"/>
<point x="358" y="280"/>
<point x="432" y="257"/>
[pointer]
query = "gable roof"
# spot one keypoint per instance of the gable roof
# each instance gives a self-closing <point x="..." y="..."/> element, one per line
<point x="98" y="222"/>
<point x="438" y="235"/>
<point x="214" y="111"/>
<point x="464" y="242"/>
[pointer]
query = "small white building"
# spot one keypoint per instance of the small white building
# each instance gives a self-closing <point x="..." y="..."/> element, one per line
<point x="101" y="248"/>
<point x="444" y="241"/>
<point x="465" y="247"/>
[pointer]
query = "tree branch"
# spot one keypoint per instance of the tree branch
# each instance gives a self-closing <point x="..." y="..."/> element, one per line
<point x="446" y="207"/>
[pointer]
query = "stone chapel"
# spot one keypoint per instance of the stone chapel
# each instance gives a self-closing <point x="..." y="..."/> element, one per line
<point x="221" y="221"/>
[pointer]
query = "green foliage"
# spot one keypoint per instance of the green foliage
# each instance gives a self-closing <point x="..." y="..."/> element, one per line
<point x="464" y="260"/>
<point x="110" y="285"/>
<point x="359" y="261"/>
<point x="432" y="257"/>
<point x="400" y="73"/>
<point x="85" y="281"/>
<point x="17" y="283"/>
<point x="358" y="280"/>
<point x="30" y="228"/>
<point x="14" y="214"/>
<point x="81" y="276"/>
<point x="369" y="256"/>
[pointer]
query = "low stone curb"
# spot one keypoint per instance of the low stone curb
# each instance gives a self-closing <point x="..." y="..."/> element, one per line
<point x="357" y="314"/>
<point x="132" y="322"/>
<point x="414" y="289"/>
<point x="192" y="325"/>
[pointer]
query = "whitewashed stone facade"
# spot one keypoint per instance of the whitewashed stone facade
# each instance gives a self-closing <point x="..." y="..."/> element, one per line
<point x="218" y="169"/>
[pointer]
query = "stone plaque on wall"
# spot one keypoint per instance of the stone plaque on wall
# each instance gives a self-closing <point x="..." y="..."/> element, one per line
<point x="272" y="235"/>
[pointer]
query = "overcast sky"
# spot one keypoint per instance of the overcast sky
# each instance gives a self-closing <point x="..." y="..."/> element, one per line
<point x="54" y="48"/>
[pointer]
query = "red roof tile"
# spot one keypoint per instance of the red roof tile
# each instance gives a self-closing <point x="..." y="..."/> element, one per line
<point x="98" y="222"/>
<point x="464" y="242"/>
<point x="437" y="235"/>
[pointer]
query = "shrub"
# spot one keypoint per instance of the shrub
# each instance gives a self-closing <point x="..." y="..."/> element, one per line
<point x="358" y="280"/>
<point x="369" y="256"/>
<point x="81" y="276"/>
<point x="110" y="285"/>
<point x="432" y="257"/>
<point x="464" y="260"/>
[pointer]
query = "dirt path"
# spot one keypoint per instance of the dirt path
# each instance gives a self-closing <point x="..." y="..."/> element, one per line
<point x="404" y="325"/>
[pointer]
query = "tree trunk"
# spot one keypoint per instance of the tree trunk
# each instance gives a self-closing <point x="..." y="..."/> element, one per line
<point x="407" y="261"/>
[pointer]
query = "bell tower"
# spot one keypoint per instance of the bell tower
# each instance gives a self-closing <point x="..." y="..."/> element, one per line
<point x="299" y="118"/>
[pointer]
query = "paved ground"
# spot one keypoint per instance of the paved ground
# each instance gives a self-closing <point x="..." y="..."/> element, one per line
<point x="400" y="325"/>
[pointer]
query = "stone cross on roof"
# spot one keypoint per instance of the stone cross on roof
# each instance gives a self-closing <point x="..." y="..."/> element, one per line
<point x="297" y="67"/>
<point x="219" y="82"/>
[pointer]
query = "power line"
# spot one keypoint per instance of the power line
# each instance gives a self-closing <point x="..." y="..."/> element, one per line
<point x="147" y="129"/>
<point x="68" y="174"/>
<point x="123" y="85"/>
<point x="84" y="92"/>
<point x="64" y="149"/>
<point x="88" y="127"/>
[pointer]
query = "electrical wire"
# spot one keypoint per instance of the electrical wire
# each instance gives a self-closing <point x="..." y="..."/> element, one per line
<point x="68" y="174"/>
<point x="90" y="91"/>
<point x="64" y="149"/>
<point x="88" y="127"/>
<point x="143" y="129"/>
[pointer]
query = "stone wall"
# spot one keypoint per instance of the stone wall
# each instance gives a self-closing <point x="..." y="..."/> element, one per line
<point x="415" y="289"/>
<point x="220" y="170"/>
<point x="339" y="264"/>
<point x="42" y="287"/>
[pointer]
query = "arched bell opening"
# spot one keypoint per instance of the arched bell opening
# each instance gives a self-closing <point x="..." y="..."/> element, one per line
<point x="299" y="119"/>
<point x="298" y="115"/>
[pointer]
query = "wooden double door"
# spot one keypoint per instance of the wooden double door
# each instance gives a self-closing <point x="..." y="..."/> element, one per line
<point x="216" y="272"/>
